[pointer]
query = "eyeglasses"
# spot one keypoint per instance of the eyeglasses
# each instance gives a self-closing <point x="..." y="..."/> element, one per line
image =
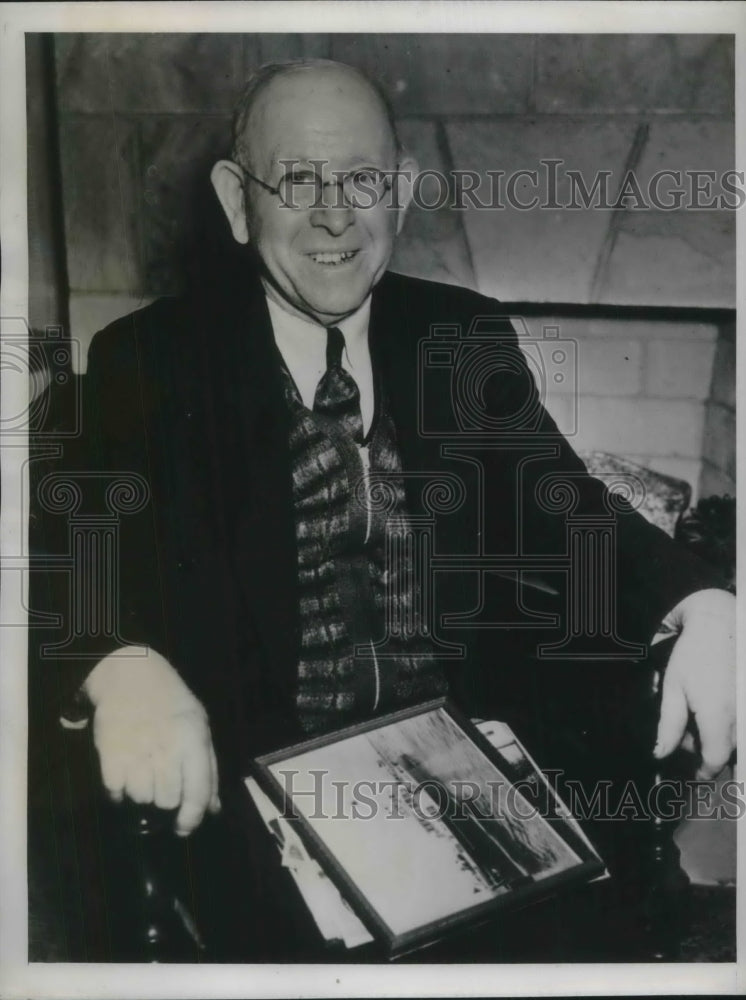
<point x="362" y="188"/>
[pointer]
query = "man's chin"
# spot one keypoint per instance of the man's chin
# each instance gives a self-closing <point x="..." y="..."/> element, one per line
<point x="334" y="313"/>
<point x="329" y="309"/>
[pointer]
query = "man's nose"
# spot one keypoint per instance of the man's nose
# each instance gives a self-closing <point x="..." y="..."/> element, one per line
<point x="335" y="218"/>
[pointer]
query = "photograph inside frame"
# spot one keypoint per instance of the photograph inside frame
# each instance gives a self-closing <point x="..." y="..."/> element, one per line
<point x="472" y="838"/>
<point x="371" y="369"/>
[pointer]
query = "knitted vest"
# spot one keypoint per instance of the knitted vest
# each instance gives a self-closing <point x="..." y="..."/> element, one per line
<point x="343" y="577"/>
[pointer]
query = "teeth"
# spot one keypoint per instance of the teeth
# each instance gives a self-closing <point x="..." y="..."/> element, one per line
<point x="332" y="258"/>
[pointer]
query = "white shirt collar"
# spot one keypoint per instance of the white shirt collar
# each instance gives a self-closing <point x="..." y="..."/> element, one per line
<point x="302" y="344"/>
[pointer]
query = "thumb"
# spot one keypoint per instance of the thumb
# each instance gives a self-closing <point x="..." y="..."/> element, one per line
<point x="674" y="715"/>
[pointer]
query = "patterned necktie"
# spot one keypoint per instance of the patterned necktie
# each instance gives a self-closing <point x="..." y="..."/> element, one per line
<point x="337" y="395"/>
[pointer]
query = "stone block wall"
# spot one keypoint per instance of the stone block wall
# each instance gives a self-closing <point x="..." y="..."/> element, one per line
<point x="141" y="118"/>
<point x="656" y="391"/>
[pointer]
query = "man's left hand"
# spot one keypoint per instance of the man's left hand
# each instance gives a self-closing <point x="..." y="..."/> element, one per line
<point x="701" y="678"/>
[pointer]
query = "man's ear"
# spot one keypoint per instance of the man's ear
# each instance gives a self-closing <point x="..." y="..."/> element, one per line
<point x="227" y="179"/>
<point x="408" y="169"/>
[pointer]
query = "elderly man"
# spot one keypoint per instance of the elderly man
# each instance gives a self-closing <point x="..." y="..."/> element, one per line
<point x="255" y="407"/>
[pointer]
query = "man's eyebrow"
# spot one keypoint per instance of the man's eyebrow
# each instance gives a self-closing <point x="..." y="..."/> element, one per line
<point x="298" y="167"/>
<point x="292" y="170"/>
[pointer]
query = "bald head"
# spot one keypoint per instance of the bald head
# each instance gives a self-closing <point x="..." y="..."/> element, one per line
<point x="329" y="80"/>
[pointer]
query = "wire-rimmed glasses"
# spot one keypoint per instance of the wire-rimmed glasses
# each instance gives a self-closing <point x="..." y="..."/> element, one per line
<point x="360" y="188"/>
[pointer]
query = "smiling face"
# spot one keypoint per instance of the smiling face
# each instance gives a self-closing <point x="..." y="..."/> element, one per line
<point x="321" y="261"/>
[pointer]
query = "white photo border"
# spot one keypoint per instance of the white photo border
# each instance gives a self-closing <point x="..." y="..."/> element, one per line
<point x="18" y="978"/>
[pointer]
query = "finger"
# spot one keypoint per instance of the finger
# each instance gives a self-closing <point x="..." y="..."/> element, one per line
<point x="673" y="717"/>
<point x="113" y="776"/>
<point x="716" y="745"/>
<point x="214" y="805"/>
<point x="139" y="783"/>
<point x="196" y="788"/>
<point x="166" y="782"/>
<point x="113" y="770"/>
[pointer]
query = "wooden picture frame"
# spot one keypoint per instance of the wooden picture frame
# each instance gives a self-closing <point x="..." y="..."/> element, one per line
<point x="362" y="800"/>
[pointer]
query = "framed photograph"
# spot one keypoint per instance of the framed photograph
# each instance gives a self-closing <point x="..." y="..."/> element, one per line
<point x="422" y="824"/>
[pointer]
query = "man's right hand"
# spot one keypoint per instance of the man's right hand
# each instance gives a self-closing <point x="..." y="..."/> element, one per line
<point x="152" y="736"/>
